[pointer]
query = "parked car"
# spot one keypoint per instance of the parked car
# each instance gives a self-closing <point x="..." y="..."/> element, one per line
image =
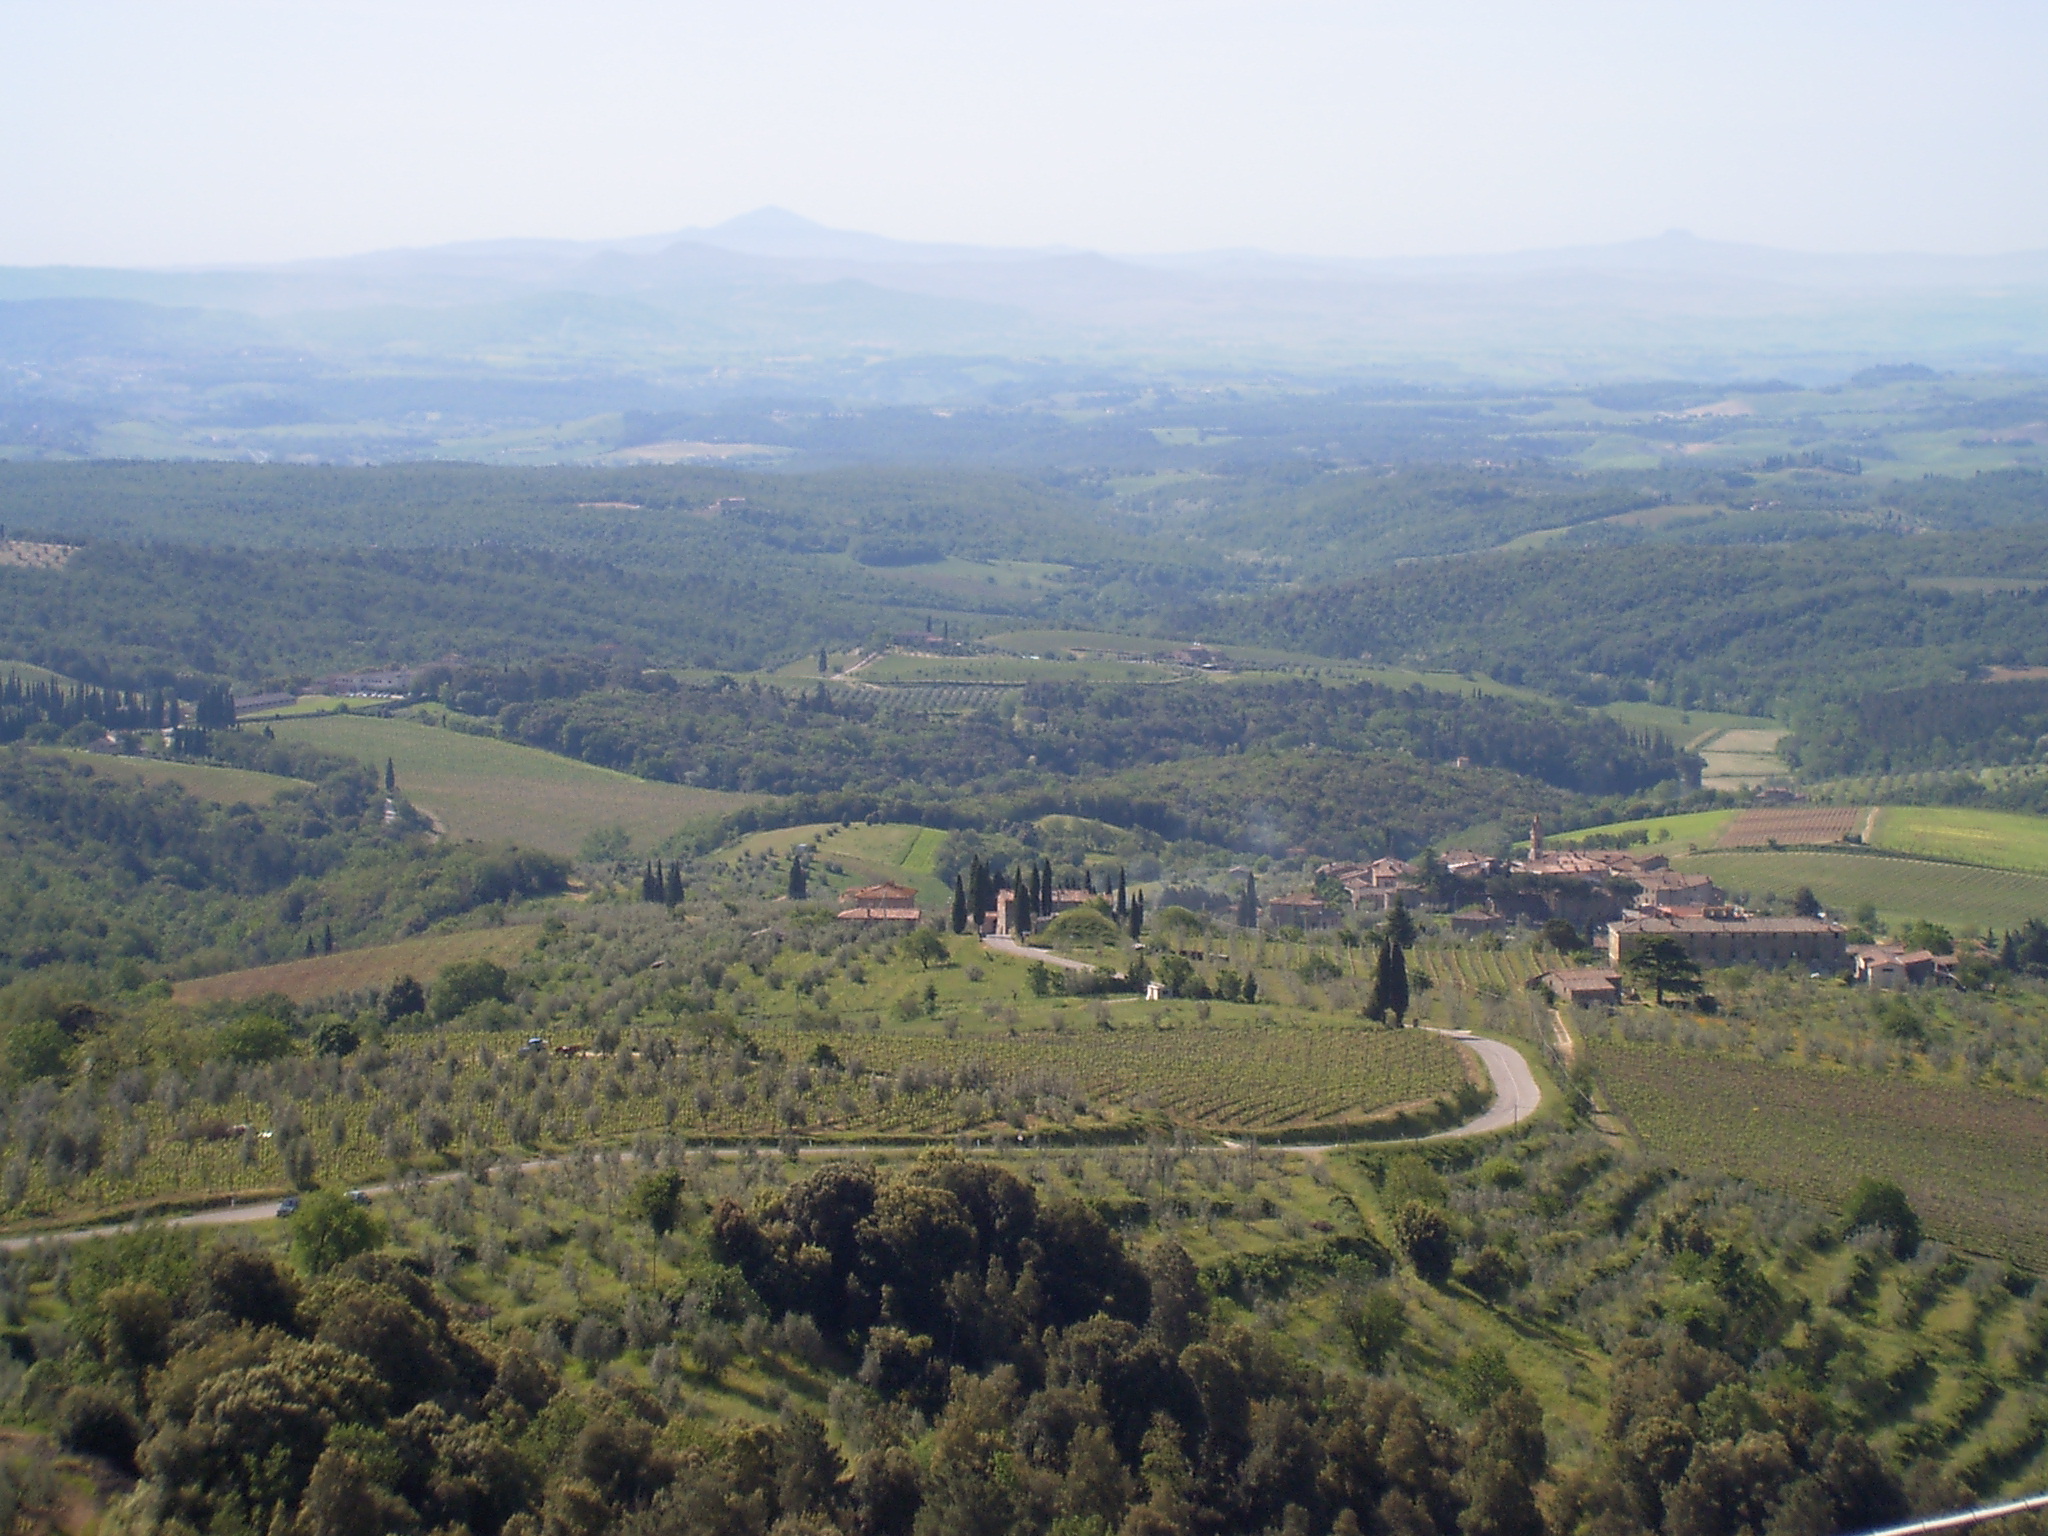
<point x="288" y="1205"/>
<point x="359" y="1197"/>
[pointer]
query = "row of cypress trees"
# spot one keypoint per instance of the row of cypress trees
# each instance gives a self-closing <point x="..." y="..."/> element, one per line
<point x="662" y="886"/>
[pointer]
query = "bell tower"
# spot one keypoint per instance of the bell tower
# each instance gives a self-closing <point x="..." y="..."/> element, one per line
<point x="1535" y="837"/>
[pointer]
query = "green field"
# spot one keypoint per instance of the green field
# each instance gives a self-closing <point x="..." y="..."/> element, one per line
<point x="1974" y="1162"/>
<point x="865" y="855"/>
<point x="223" y="786"/>
<point x="1668" y="834"/>
<point x="304" y="704"/>
<point x="1685" y="726"/>
<point x="898" y="667"/>
<point x="495" y="791"/>
<point x="1966" y="899"/>
<point x="29" y="672"/>
<point x="2002" y="839"/>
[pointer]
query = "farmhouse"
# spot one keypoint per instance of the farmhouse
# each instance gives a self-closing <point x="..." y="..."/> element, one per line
<point x="1584" y="986"/>
<point x="1064" y="899"/>
<point x="1374" y="887"/>
<point x="1893" y="967"/>
<point x="1300" y="911"/>
<point x="1467" y="921"/>
<point x="1674" y="888"/>
<point x="884" y="903"/>
<point x="1722" y="935"/>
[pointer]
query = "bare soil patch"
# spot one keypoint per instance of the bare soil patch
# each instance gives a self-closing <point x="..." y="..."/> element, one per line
<point x="1792" y="825"/>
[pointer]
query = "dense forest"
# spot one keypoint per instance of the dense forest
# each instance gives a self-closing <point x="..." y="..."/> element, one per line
<point x="1709" y="627"/>
<point x="1942" y="725"/>
<point x="826" y="739"/>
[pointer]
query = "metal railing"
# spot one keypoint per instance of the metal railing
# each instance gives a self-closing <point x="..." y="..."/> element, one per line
<point x="1963" y="1519"/>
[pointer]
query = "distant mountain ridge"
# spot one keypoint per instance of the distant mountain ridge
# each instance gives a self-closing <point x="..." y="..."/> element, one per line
<point x="499" y="332"/>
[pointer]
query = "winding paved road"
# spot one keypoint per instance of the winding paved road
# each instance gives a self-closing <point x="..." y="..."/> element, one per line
<point x="1515" y="1098"/>
<point x="1515" y="1094"/>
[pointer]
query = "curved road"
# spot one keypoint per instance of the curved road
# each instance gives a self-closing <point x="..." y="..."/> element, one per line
<point x="1515" y="1094"/>
<point x="1515" y="1098"/>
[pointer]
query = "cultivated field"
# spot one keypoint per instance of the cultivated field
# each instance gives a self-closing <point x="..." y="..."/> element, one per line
<point x="1739" y="758"/>
<point x="1792" y="825"/>
<point x="865" y="855"/>
<point x="496" y="791"/>
<point x="1687" y="727"/>
<point x="354" y="969"/>
<point x="1500" y="972"/>
<point x="1966" y="899"/>
<point x="2002" y="839"/>
<point x="1237" y="1074"/>
<point x="1974" y="1162"/>
<point x="223" y="786"/>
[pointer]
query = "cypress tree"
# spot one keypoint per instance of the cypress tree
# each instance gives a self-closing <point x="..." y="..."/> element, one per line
<point x="1045" y="886"/>
<point x="390" y="776"/>
<point x="1248" y="904"/>
<point x="672" y="892"/>
<point x="1397" y="983"/>
<point x="1123" y="902"/>
<point x="959" y="905"/>
<point x="1088" y="880"/>
<point x="799" y="883"/>
<point x="824" y="665"/>
<point x="1376" y="996"/>
<point x="1137" y="916"/>
<point x="327" y="939"/>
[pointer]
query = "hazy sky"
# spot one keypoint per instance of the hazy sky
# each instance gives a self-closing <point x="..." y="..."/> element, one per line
<point x="205" y="130"/>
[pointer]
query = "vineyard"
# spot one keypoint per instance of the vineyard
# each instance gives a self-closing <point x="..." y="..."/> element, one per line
<point x="1794" y="825"/>
<point x="1496" y="971"/>
<point x="1974" y="1162"/>
<point x="455" y="1095"/>
<point x="950" y="697"/>
<point x="1966" y="898"/>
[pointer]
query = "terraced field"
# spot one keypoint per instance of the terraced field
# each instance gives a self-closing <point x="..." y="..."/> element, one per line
<point x="1974" y="1162"/>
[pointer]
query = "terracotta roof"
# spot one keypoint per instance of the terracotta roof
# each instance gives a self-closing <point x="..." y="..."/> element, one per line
<point x="887" y="894"/>
<point x="880" y="914"/>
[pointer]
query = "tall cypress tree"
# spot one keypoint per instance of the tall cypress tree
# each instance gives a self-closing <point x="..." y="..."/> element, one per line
<point x="1137" y="916"/>
<point x="1248" y="904"/>
<point x="672" y="892"/>
<point x="799" y="882"/>
<point x="390" y="776"/>
<point x="1088" y="880"/>
<point x="1396" y="988"/>
<point x="1123" y="901"/>
<point x="959" y="905"/>
<point x="1045" y="886"/>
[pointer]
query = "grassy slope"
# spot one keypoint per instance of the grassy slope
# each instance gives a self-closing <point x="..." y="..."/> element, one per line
<point x="2002" y="839"/>
<point x="1965" y="898"/>
<point x="866" y="855"/>
<point x="1973" y="1161"/>
<point x="351" y="970"/>
<point x="497" y="791"/>
<point x="223" y="786"/>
